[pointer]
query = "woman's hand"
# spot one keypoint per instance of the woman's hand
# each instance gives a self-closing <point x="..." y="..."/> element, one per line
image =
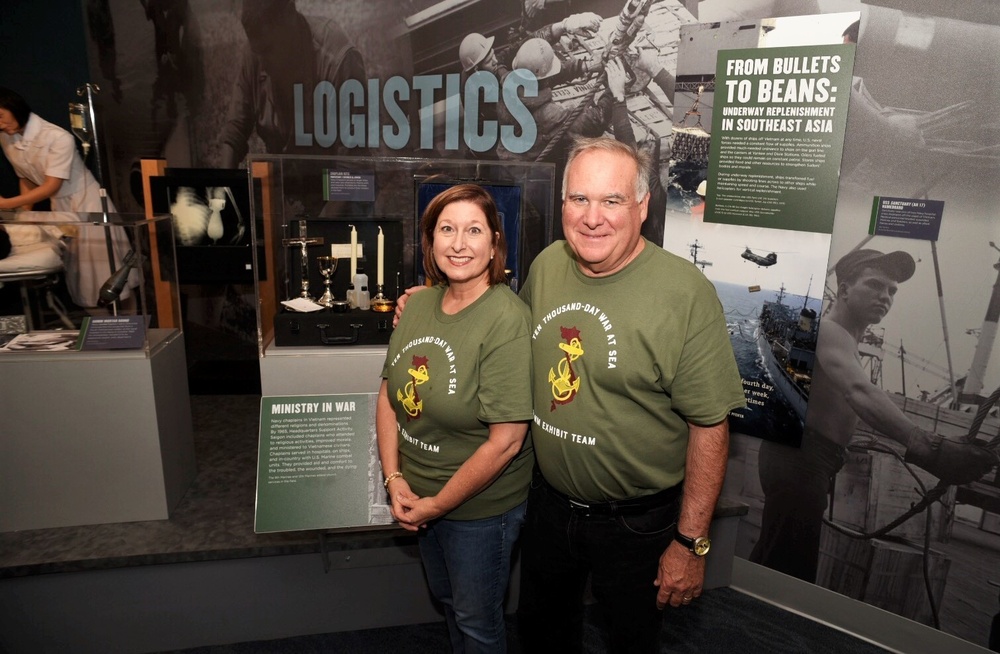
<point x="417" y="511"/>
<point x="399" y="492"/>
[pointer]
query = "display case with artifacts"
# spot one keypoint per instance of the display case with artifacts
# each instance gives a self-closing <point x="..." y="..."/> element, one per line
<point x="210" y="209"/>
<point x="88" y="281"/>
<point x="342" y="239"/>
<point x="99" y="328"/>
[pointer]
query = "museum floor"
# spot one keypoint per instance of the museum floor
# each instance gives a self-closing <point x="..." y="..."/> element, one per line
<point x="214" y="521"/>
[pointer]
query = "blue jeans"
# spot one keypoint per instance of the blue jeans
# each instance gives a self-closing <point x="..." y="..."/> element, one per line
<point x="467" y="563"/>
<point x="560" y="547"/>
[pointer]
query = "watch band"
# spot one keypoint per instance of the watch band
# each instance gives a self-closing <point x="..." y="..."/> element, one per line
<point x="686" y="541"/>
<point x="698" y="546"/>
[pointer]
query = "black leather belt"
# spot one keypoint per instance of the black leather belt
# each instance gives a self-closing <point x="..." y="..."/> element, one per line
<point x="631" y="506"/>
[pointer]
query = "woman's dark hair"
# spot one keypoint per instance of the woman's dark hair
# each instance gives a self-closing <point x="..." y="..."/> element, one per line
<point x="16" y="105"/>
<point x="480" y="197"/>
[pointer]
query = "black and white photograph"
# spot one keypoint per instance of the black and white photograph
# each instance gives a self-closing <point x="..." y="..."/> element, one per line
<point x="892" y="497"/>
<point x="51" y="341"/>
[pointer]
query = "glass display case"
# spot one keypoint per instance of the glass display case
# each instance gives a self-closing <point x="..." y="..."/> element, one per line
<point x="86" y="281"/>
<point x="314" y="212"/>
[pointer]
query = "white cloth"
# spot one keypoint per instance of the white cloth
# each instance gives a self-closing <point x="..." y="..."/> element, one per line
<point x="33" y="248"/>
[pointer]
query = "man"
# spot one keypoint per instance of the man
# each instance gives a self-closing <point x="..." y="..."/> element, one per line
<point x="630" y="410"/>
<point x="263" y="94"/>
<point x="796" y="481"/>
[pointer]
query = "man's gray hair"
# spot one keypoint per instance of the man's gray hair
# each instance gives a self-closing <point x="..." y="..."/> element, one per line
<point x="608" y="144"/>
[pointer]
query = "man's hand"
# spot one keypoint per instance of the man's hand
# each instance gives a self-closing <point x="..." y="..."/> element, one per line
<point x="585" y="23"/>
<point x="951" y="462"/>
<point x="680" y="576"/>
<point x="648" y="62"/>
<point x="616" y="78"/>
<point x="401" y="303"/>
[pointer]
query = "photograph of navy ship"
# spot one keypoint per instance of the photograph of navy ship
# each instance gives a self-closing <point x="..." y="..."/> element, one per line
<point x="772" y="311"/>
<point x="893" y="497"/>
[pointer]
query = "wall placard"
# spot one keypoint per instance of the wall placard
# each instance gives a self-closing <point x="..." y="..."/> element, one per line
<point x="317" y="465"/>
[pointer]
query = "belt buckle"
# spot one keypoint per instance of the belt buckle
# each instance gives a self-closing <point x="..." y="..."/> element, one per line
<point x="579" y="506"/>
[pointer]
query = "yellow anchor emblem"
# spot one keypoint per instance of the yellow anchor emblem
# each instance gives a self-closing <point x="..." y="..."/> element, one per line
<point x="563" y="384"/>
<point x="411" y="405"/>
<point x="409" y="400"/>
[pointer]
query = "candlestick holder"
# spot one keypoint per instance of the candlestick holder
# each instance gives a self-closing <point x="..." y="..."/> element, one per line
<point x="381" y="304"/>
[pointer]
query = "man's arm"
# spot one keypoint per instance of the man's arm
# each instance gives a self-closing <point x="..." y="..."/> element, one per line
<point x="837" y="354"/>
<point x="950" y="461"/>
<point x="681" y="574"/>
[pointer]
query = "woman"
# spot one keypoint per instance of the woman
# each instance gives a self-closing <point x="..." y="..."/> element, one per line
<point x="48" y="167"/>
<point x="452" y="416"/>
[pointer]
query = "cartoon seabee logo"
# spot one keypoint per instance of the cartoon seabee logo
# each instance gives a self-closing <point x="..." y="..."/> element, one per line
<point x="408" y="396"/>
<point x="565" y="383"/>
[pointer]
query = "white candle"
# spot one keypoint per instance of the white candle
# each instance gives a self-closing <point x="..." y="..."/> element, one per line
<point x="381" y="256"/>
<point x="354" y="253"/>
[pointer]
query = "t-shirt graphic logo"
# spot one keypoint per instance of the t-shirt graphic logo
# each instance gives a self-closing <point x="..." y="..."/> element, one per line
<point x="565" y="383"/>
<point x="410" y="400"/>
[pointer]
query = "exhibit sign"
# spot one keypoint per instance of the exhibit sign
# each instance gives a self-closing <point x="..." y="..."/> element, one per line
<point x="317" y="465"/>
<point x="918" y="218"/>
<point x="778" y="136"/>
<point x="112" y="333"/>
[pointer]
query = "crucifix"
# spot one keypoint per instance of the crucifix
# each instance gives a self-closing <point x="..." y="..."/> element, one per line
<point x="303" y="241"/>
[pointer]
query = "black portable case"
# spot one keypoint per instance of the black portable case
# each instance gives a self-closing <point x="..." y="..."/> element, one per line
<point x="327" y="328"/>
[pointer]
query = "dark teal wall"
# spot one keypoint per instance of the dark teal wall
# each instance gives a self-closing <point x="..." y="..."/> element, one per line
<point x="44" y="55"/>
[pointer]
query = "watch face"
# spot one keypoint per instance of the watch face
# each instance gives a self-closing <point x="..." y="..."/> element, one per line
<point x="701" y="546"/>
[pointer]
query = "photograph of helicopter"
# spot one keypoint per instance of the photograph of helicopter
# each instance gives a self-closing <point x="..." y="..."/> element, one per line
<point x="760" y="259"/>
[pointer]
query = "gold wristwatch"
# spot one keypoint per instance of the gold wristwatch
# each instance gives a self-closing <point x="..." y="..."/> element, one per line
<point x="699" y="546"/>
